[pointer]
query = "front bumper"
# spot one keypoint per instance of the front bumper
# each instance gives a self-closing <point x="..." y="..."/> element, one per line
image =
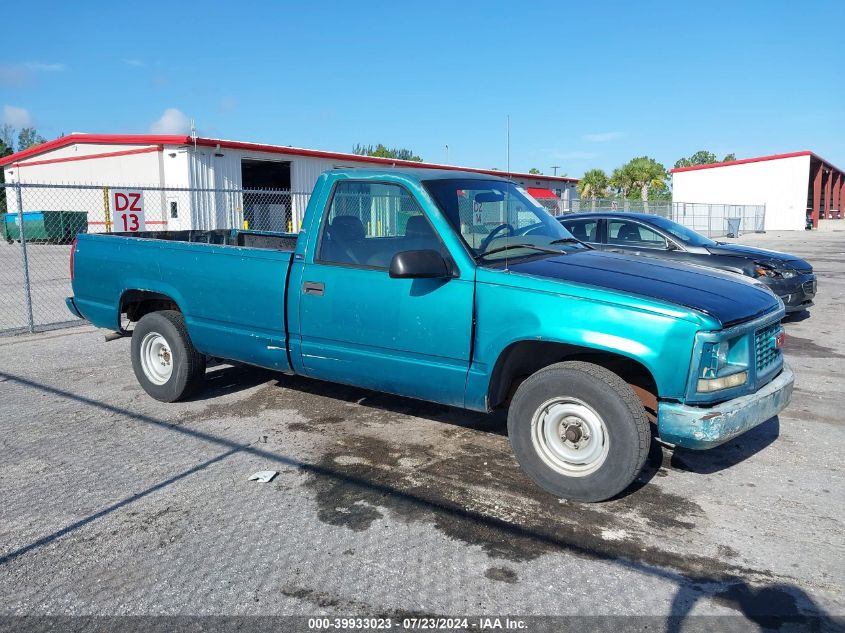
<point x="706" y="427"/>
<point x="797" y="294"/>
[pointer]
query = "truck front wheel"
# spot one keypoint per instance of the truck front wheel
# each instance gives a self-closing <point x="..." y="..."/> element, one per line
<point x="165" y="361"/>
<point x="578" y="431"/>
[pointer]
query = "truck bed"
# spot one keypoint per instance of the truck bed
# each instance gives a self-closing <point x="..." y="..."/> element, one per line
<point x="229" y="285"/>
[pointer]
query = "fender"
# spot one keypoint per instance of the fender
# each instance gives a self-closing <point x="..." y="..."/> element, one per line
<point x="656" y="335"/>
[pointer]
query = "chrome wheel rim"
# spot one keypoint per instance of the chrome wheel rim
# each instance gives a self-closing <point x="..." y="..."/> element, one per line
<point x="156" y="358"/>
<point x="570" y="436"/>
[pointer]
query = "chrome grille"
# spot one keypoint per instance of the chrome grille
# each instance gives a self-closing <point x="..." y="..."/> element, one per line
<point x="764" y="347"/>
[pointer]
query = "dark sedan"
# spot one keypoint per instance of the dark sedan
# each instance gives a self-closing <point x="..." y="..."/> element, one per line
<point x="789" y="277"/>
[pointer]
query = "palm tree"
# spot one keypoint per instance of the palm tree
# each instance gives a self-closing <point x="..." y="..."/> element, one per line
<point x="592" y="185"/>
<point x="622" y="182"/>
<point x="646" y="173"/>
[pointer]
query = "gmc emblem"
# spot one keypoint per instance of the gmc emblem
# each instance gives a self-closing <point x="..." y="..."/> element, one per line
<point x="780" y="338"/>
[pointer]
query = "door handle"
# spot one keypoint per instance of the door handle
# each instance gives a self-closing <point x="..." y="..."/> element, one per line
<point x="314" y="288"/>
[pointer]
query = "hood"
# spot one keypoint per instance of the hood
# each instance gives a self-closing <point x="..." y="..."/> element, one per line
<point x="761" y="255"/>
<point x="724" y="296"/>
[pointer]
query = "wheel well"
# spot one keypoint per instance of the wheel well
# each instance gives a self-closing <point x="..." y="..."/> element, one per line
<point x="519" y="360"/>
<point x="137" y="303"/>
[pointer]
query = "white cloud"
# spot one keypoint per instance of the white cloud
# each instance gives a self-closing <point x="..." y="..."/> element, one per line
<point x="22" y="74"/>
<point x="134" y="62"/>
<point x="172" y="121"/>
<point x="44" y="68"/>
<point x="603" y="137"/>
<point x="16" y="117"/>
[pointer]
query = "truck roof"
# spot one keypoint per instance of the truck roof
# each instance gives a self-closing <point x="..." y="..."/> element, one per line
<point x="420" y="174"/>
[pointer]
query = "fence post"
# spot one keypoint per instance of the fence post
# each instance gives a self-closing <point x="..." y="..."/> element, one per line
<point x="27" y="289"/>
<point x="709" y="220"/>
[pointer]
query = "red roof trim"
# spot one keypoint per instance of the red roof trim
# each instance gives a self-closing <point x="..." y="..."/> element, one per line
<point x="157" y="139"/>
<point x="541" y="193"/>
<point x="758" y="159"/>
<point x="70" y="159"/>
<point x="94" y="139"/>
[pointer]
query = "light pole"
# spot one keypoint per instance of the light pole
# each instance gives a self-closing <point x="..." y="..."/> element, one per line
<point x="555" y="167"/>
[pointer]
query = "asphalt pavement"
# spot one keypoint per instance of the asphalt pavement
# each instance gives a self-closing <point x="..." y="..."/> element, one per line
<point x="116" y="504"/>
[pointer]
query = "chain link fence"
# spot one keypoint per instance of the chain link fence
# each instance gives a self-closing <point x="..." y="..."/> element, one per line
<point x="712" y="220"/>
<point x="41" y="222"/>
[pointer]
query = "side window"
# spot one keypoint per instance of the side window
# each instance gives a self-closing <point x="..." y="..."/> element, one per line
<point x="584" y="230"/>
<point x="368" y="223"/>
<point x="624" y="233"/>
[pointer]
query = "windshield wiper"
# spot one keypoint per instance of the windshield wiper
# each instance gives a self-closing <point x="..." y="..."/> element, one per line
<point x="510" y="246"/>
<point x="570" y="240"/>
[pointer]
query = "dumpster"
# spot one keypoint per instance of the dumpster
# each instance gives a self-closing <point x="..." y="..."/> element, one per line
<point x="733" y="227"/>
<point x="55" y="227"/>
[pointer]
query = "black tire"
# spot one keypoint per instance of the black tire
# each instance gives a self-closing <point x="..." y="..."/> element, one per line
<point x="188" y="365"/>
<point x="625" y="428"/>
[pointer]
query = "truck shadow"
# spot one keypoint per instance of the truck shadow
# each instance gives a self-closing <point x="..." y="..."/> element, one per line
<point x="222" y="379"/>
<point x="225" y="379"/>
<point x="696" y="577"/>
<point x="494" y="423"/>
<point x="729" y="454"/>
<point x="702" y="462"/>
<point x="796" y="317"/>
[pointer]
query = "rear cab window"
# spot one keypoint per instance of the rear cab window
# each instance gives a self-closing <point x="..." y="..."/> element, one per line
<point x="369" y="222"/>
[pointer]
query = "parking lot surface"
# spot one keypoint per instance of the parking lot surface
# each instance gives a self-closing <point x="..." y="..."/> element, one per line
<point x="114" y="503"/>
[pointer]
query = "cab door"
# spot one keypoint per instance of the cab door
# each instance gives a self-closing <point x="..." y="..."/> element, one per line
<point x="360" y="326"/>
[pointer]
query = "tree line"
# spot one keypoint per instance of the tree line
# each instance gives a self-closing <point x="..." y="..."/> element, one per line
<point x="11" y="141"/>
<point x="399" y="153"/>
<point x="642" y="177"/>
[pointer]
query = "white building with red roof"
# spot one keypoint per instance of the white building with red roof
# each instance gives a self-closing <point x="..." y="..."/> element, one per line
<point x="169" y="161"/>
<point x="794" y="187"/>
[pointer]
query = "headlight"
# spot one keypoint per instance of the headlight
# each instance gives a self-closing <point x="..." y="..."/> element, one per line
<point x="725" y="382"/>
<point x="723" y="365"/>
<point x="764" y="270"/>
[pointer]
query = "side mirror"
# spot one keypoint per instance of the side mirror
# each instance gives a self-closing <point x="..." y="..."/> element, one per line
<point x="425" y="264"/>
<point x="671" y="246"/>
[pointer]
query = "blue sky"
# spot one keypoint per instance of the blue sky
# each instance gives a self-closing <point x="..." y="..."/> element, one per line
<point x="585" y="84"/>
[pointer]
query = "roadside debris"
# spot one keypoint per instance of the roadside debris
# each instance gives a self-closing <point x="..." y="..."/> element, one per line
<point x="264" y="476"/>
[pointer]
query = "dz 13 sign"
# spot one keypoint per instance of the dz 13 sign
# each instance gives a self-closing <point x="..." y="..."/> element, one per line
<point x="127" y="207"/>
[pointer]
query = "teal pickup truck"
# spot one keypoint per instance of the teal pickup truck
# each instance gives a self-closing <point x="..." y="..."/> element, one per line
<point x="460" y="289"/>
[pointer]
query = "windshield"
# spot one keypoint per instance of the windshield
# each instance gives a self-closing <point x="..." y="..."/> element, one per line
<point x="499" y="220"/>
<point x="682" y="233"/>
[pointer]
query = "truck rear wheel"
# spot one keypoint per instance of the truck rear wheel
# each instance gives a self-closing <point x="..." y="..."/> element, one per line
<point x="578" y="431"/>
<point x="165" y="361"/>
